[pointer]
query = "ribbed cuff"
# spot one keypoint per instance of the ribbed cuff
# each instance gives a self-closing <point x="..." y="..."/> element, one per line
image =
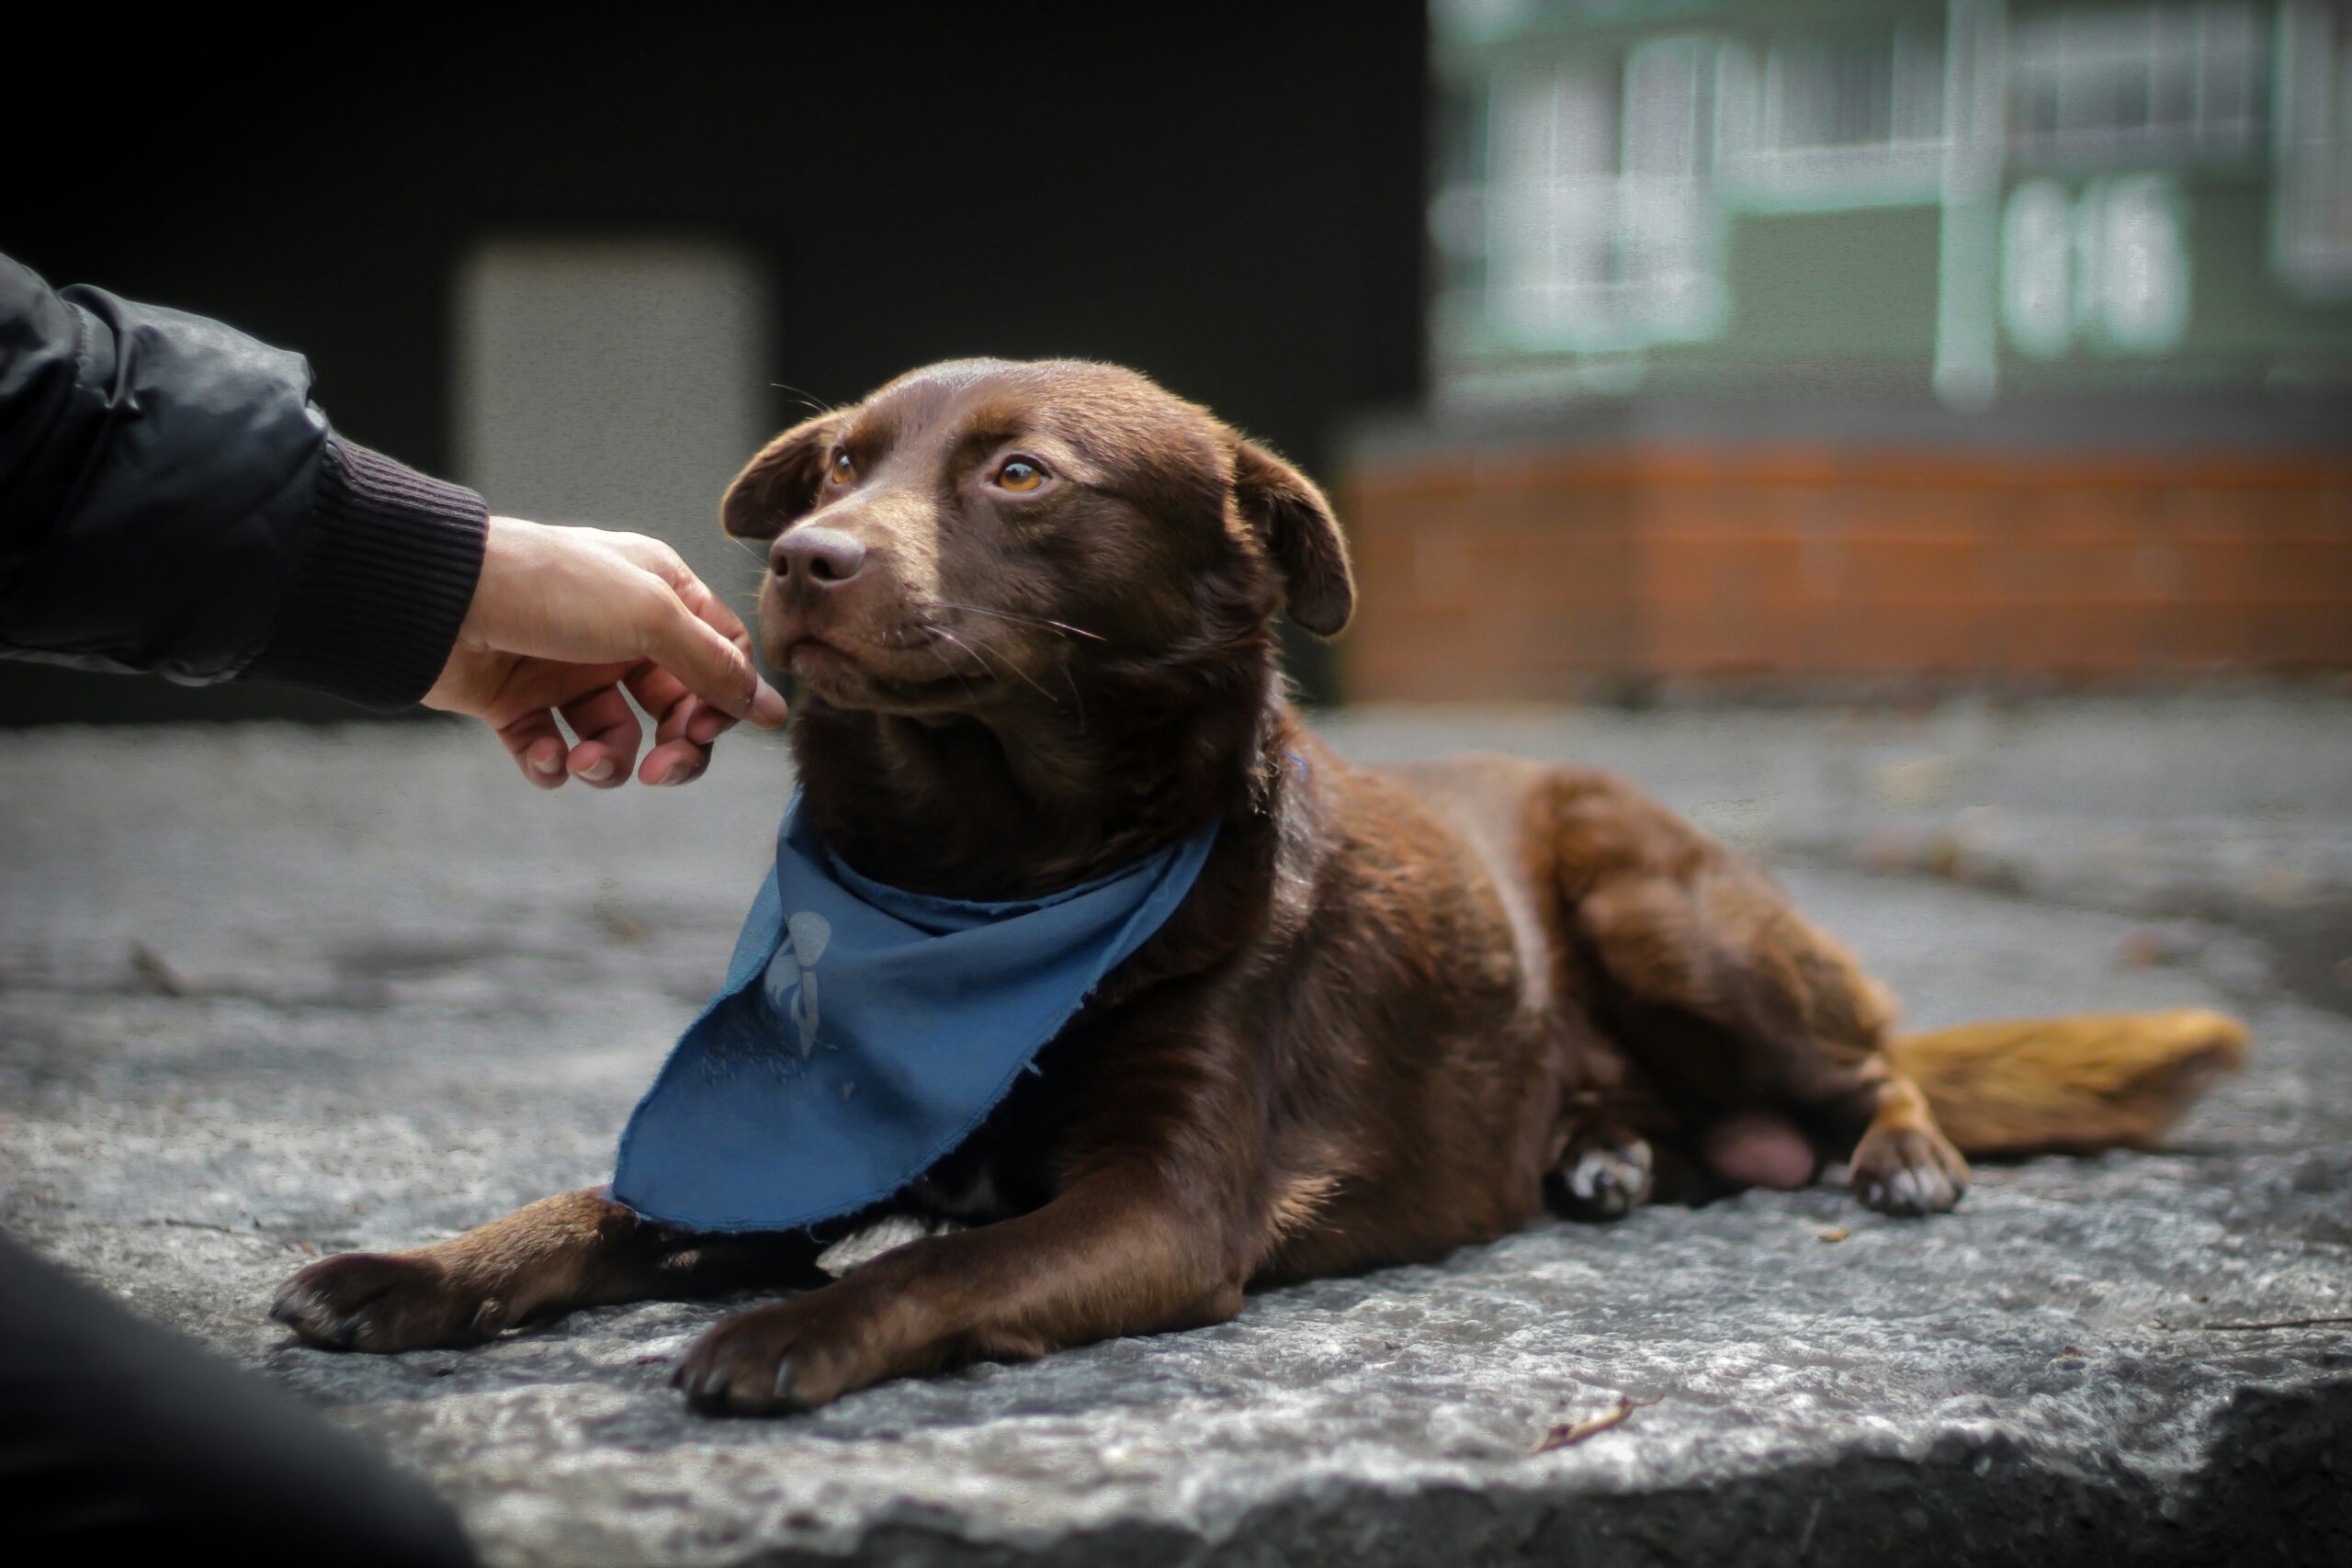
<point x="381" y="594"/>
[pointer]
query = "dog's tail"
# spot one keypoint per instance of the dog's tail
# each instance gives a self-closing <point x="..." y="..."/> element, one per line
<point x="2069" y="1085"/>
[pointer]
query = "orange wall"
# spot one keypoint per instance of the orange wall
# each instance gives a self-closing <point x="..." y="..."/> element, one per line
<point x="1533" y="575"/>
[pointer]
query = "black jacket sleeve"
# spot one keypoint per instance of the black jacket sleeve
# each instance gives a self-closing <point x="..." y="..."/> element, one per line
<point x="171" y="501"/>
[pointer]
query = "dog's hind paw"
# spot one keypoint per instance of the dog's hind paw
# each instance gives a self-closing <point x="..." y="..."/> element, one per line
<point x="1604" y="1175"/>
<point x="1908" y="1171"/>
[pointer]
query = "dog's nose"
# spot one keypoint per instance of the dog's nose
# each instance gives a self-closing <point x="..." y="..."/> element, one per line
<point x="818" y="557"/>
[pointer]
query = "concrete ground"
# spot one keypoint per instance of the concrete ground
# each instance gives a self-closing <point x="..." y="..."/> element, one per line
<point x="268" y="992"/>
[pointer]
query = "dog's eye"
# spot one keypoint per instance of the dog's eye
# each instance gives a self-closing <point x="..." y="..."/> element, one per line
<point x="844" y="469"/>
<point x="1020" y="474"/>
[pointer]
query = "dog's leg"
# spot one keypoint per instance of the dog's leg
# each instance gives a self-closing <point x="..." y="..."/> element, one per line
<point x="572" y="1250"/>
<point x="1727" y="991"/>
<point x="1116" y="1253"/>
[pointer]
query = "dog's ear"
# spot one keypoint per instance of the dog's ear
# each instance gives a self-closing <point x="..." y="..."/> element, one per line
<point x="779" y="487"/>
<point x="1301" y="534"/>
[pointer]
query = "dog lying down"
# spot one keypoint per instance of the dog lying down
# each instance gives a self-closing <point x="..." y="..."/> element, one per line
<point x="1354" y="1017"/>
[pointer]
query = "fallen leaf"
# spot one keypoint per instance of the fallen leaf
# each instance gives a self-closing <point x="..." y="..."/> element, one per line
<point x="1568" y="1432"/>
<point x="1839" y="1234"/>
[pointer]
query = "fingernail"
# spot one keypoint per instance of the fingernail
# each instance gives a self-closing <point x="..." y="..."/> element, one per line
<point x="767" y="708"/>
<point x="679" y="776"/>
<point x="600" y="772"/>
<point x="549" y="766"/>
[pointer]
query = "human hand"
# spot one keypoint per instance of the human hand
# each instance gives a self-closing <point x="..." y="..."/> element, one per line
<point x="563" y="619"/>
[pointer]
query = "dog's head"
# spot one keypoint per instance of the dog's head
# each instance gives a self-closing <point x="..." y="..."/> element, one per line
<point x="981" y="534"/>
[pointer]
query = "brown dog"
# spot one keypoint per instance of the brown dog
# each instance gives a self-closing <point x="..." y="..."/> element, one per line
<point x="1030" y="610"/>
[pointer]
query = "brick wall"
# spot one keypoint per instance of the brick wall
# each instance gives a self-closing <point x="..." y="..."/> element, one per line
<point x="1511" y="575"/>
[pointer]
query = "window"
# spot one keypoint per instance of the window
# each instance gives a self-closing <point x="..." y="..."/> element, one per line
<point x="1594" y="220"/>
<point x="2106" y="85"/>
<point x="1586" y="187"/>
<point x="2312" y="194"/>
<point x="1836" y="122"/>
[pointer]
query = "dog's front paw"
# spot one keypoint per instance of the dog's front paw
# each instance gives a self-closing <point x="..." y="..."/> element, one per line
<point x="786" y="1356"/>
<point x="384" y="1301"/>
<point x="1908" y="1171"/>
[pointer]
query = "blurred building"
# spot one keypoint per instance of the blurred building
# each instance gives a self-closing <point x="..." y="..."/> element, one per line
<point x="1801" y="338"/>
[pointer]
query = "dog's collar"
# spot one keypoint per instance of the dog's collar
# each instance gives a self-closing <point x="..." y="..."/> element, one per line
<point x="864" y="1031"/>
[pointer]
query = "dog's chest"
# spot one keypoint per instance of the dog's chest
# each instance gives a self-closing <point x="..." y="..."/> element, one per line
<point x="1004" y="1168"/>
<point x="964" y="1189"/>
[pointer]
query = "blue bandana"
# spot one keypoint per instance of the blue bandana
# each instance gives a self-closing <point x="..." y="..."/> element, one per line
<point x="865" y="1033"/>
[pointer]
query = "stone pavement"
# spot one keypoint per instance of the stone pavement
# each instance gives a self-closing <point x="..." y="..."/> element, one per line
<point x="268" y="992"/>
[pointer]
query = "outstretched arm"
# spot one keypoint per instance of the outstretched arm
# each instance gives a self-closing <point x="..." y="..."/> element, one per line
<point x="172" y="502"/>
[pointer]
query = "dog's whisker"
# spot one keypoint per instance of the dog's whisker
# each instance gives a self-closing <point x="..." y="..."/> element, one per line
<point x="932" y="647"/>
<point x="1034" y="684"/>
<point x="990" y="665"/>
<point x="1077" y="702"/>
<point x="1028" y="620"/>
